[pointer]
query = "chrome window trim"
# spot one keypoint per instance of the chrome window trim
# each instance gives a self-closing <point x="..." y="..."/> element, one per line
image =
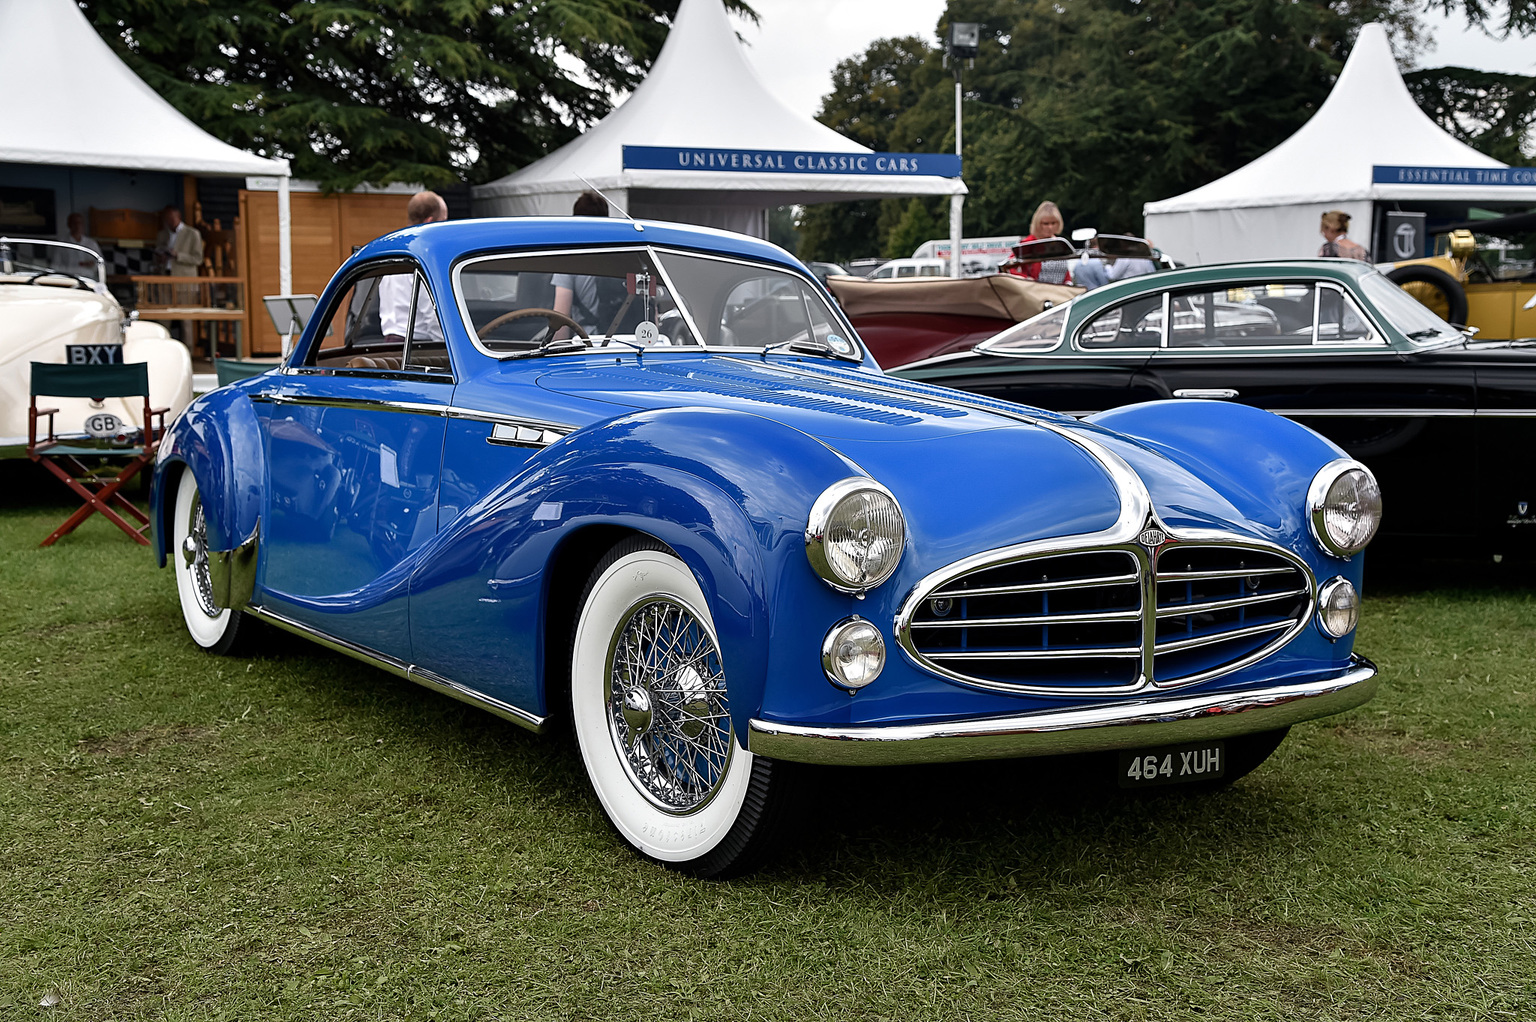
<point x="1077" y="334"/>
<point x="400" y="668"/>
<point x="985" y="348"/>
<point x="1381" y="339"/>
<point x="371" y="269"/>
<point x="654" y="252"/>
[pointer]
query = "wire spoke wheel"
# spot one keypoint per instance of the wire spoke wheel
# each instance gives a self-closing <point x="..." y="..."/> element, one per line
<point x="651" y="710"/>
<point x="667" y="705"/>
<point x="215" y="628"/>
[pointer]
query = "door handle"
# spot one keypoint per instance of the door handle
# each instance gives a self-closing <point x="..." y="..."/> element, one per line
<point x="1210" y="393"/>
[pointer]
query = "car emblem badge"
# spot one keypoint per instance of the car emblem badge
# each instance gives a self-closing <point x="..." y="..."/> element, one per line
<point x="1523" y="507"/>
<point x="1152" y="538"/>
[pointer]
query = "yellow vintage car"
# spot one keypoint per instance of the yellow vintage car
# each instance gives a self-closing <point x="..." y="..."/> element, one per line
<point x="1469" y="286"/>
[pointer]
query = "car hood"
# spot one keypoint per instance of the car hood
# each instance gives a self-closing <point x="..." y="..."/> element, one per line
<point x="33" y="316"/>
<point x="970" y="473"/>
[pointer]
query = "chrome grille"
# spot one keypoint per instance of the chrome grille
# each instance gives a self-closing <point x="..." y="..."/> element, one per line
<point x="1095" y="620"/>
<point x="1218" y="604"/>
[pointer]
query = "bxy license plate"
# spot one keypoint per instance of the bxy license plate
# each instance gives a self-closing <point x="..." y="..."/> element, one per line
<point x="1176" y="764"/>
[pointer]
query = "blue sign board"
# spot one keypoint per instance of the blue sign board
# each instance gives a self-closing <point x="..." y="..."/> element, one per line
<point x="1476" y="176"/>
<point x="791" y="161"/>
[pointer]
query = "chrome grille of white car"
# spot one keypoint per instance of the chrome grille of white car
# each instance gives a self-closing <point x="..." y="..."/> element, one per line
<point x="1093" y="620"/>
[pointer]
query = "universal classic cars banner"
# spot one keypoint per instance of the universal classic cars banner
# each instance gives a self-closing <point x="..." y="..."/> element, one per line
<point x="790" y="161"/>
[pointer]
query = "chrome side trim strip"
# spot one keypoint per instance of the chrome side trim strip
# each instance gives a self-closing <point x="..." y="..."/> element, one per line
<point x="401" y="669"/>
<point x="1117" y="725"/>
<point x="361" y="404"/>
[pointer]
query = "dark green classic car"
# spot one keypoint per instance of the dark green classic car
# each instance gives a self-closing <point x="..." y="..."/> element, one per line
<point x="1447" y="424"/>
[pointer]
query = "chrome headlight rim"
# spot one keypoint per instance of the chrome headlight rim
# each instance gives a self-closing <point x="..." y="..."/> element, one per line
<point x="834" y="639"/>
<point x="1317" y="505"/>
<point x="1325" y="600"/>
<point x="816" y="534"/>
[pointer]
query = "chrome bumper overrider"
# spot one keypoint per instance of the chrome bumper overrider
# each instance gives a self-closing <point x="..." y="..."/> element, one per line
<point x="1120" y="725"/>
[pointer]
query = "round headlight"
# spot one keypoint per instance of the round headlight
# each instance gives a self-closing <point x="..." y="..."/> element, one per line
<point x="853" y="653"/>
<point x="1338" y="608"/>
<point x="1344" y="507"/>
<point x="855" y="535"/>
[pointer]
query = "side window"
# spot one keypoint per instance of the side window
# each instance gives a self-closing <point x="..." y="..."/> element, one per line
<point x="386" y="321"/>
<point x="1041" y="333"/>
<point x="1243" y="315"/>
<point x="1340" y="321"/>
<point x="1135" y="324"/>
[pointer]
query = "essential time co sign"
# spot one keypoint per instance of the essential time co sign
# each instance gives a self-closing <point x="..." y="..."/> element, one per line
<point x="791" y="161"/>
<point x="1478" y="176"/>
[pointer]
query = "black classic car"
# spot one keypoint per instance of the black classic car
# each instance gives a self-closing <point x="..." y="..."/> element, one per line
<point x="1448" y="424"/>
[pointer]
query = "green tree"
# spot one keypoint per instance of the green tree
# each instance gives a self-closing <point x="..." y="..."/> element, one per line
<point x="356" y="91"/>
<point x="917" y="225"/>
<point x="1494" y="113"/>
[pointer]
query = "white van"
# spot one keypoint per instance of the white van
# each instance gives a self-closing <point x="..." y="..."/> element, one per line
<point x="904" y="269"/>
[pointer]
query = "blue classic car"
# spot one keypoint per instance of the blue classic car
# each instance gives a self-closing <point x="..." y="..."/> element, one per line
<point x="646" y="476"/>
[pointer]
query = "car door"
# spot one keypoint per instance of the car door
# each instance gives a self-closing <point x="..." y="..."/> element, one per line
<point x="1093" y="369"/>
<point x="354" y="438"/>
<point x="1306" y="349"/>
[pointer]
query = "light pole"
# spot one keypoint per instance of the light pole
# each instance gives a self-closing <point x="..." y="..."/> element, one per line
<point x="964" y="42"/>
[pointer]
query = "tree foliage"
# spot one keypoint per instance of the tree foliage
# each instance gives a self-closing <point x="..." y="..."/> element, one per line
<point x="355" y="91"/>
<point x="1493" y="113"/>
<point x="1103" y="105"/>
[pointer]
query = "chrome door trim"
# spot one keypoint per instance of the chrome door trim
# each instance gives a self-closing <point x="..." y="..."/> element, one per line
<point x="358" y="403"/>
<point x="399" y="668"/>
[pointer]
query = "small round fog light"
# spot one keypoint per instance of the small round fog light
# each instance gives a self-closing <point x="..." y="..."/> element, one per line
<point x="853" y="653"/>
<point x="1338" y="608"/>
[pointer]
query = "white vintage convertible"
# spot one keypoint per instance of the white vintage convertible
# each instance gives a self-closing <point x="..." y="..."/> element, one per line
<point x="54" y="309"/>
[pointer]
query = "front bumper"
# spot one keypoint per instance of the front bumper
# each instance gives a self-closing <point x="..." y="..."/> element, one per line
<point x="1124" y="725"/>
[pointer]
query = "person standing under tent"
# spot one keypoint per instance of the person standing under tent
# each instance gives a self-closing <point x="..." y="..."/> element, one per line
<point x="1336" y="242"/>
<point x="77" y="263"/>
<point x="395" y="289"/>
<point x="179" y="247"/>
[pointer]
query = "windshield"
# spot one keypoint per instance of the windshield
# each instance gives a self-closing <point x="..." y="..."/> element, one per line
<point x="1403" y="311"/>
<point x="748" y="305"/>
<point x="531" y="303"/>
<point x="29" y="258"/>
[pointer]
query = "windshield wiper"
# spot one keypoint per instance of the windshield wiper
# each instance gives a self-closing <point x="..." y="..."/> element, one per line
<point x="811" y="347"/>
<point x="553" y="347"/>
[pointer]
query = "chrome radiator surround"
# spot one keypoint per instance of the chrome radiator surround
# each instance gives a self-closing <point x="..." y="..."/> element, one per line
<point x="1139" y="536"/>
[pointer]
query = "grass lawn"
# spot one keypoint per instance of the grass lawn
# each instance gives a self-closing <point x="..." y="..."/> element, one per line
<point x="297" y="836"/>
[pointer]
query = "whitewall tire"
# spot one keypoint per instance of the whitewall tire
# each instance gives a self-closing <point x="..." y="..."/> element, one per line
<point x="214" y="628"/>
<point x="651" y="712"/>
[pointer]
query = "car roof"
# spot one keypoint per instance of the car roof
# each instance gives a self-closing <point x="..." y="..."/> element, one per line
<point x="1211" y="273"/>
<point x="442" y="243"/>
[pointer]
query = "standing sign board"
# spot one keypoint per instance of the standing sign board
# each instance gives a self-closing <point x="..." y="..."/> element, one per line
<point x="1403" y="236"/>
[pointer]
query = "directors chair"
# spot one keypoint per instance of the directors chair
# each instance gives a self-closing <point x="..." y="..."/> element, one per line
<point x="94" y="487"/>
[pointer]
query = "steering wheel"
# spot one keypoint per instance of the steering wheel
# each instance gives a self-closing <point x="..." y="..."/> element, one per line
<point x="555" y="319"/>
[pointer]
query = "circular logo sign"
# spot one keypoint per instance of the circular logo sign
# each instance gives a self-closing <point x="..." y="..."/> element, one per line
<point x="646" y="332"/>
<point x="1403" y="241"/>
<point x="103" y="425"/>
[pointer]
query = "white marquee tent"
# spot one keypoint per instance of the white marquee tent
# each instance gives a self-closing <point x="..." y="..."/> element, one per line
<point x="701" y="95"/>
<point x="83" y="107"/>
<point x="1270" y="208"/>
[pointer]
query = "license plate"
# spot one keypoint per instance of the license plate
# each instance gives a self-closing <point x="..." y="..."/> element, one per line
<point x="93" y="354"/>
<point x="1175" y="764"/>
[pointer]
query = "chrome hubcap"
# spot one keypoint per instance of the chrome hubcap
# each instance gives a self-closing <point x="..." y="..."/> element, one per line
<point x="667" y="706"/>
